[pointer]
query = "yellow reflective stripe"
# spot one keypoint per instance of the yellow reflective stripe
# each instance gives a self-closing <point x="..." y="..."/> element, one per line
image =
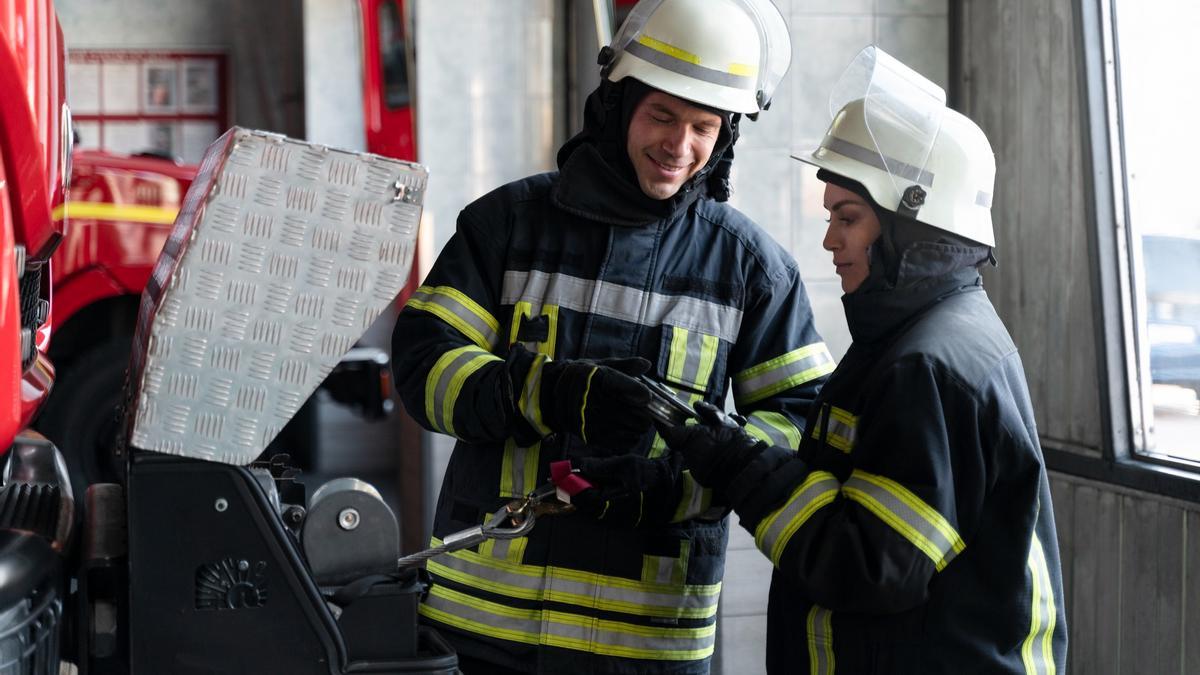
<point x="744" y="69"/>
<point x="547" y="347"/>
<point x="753" y="430"/>
<point x="695" y="500"/>
<point x="135" y="213"/>
<point x="912" y="518"/>
<point x="668" y="49"/>
<point x="570" y="631"/>
<point x="576" y="587"/>
<point x="1037" y="650"/>
<point x="657" y="447"/>
<point x="708" y="359"/>
<point x="775" y="531"/>
<point x="511" y="550"/>
<point x="518" y="469"/>
<point x="790" y="432"/>
<point x="458" y="310"/>
<point x="663" y="569"/>
<point x="782" y="373"/>
<point x="530" y="402"/>
<point x="445" y="382"/>
<point x="841" y="431"/>
<point x="820" y="641"/>
<point x="678" y="356"/>
<point x="587" y="389"/>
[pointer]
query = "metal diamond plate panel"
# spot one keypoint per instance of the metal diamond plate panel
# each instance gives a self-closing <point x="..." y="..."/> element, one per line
<point x="283" y="254"/>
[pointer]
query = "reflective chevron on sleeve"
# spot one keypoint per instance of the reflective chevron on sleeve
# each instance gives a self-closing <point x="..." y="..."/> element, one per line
<point x="445" y="383"/>
<point x="782" y="373"/>
<point x="904" y="512"/>
<point x="775" y="531"/>
<point x="458" y="310"/>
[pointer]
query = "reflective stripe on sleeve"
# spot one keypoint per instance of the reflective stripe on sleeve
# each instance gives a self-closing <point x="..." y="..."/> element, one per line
<point x="530" y="402"/>
<point x="458" y="310"/>
<point x="574" y="587"/>
<point x="819" y="627"/>
<point x="840" y="432"/>
<point x="566" y="630"/>
<point x="445" y="382"/>
<point x="782" y="373"/>
<point x="773" y="428"/>
<point x="1037" y="650"/>
<point x="904" y="512"/>
<point x="616" y="301"/>
<point x="775" y="531"/>
<point x="695" y="501"/>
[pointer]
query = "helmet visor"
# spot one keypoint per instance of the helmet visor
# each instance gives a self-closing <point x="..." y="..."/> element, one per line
<point x="903" y="112"/>
<point x="775" y="47"/>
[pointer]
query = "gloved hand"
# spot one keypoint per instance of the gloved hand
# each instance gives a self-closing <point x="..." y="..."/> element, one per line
<point x="716" y="449"/>
<point x="630" y="490"/>
<point x="600" y="401"/>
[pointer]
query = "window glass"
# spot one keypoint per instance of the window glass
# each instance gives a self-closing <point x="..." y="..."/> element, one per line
<point x="1159" y="102"/>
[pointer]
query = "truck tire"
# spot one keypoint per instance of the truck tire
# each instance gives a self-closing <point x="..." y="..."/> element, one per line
<point x="80" y="416"/>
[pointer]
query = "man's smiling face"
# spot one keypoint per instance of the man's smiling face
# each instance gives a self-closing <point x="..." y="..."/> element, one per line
<point x="669" y="140"/>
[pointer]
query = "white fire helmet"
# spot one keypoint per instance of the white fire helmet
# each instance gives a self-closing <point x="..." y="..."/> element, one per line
<point x="725" y="54"/>
<point x="893" y="133"/>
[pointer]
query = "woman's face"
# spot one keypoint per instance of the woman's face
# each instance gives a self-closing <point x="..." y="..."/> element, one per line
<point x="853" y="227"/>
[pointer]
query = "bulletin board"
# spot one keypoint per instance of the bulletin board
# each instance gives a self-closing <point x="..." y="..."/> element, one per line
<point x="168" y="103"/>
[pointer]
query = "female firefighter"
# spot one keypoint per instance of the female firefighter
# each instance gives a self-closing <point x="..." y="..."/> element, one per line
<point x="912" y="531"/>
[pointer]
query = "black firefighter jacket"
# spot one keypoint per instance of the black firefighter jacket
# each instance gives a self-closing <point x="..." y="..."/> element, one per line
<point x="550" y="264"/>
<point x="913" y="532"/>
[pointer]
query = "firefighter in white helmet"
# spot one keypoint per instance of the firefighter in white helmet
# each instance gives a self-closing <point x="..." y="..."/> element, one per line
<point x="555" y="293"/>
<point x="912" y="532"/>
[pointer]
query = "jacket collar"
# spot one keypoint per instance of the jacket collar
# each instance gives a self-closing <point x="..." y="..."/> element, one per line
<point x="929" y="273"/>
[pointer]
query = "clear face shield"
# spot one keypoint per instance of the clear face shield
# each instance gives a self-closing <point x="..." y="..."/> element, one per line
<point x="903" y="115"/>
<point x="774" y="43"/>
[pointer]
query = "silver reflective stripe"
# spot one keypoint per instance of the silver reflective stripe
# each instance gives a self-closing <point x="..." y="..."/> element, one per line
<point x="692" y="70"/>
<point x="458" y="310"/>
<point x="450" y="371"/>
<point x="775" y="531"/>
<point x="616" y="301"/>
<point x="777" y="429"/>
<point x="566" y="630"/>
<point x="904" y="512"/>
<point x="820" y="641"/>
<point x="574" y="587"/>
<point x="872" y="158"/>
<point x="783" y="372"/>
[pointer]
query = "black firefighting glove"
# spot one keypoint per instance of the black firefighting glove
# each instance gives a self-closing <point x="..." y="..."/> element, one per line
<point x="600" y="401"/>
<point x="715" y="450"/>
<point x="630" y="490"/>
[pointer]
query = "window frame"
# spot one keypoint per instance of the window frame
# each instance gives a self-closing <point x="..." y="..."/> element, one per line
<point x="1122" y="377"/>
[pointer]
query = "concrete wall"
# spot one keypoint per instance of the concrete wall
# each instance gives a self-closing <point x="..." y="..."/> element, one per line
<point x="262" y="40"/>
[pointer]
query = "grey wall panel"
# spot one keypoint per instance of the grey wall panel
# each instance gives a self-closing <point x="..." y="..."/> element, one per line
<point x="1019" y="83"/>
<point x="1190" y="621"/>
<point x="1132" y="595"/>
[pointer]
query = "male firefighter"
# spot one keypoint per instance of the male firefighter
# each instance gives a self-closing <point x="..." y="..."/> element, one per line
<point x="912" y="532"/>
<point x="554" y="294"/>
